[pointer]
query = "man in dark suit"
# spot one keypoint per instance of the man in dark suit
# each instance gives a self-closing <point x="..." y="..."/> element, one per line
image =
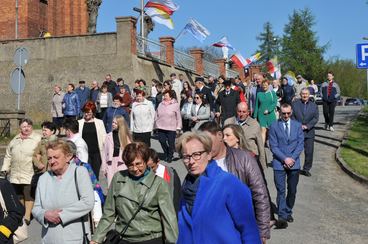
<point x="286" y="143"/>
<point x="226" y="102"/>
<point x="306" y="112"/>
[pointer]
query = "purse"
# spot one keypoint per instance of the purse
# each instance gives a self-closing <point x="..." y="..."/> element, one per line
<point x="21" y="233"/>
<point x="115" y="237"/>
<point x="34" y="182"/>
<point x="85" y="235"/>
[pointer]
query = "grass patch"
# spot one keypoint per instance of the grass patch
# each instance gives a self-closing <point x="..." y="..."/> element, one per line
<point x="5" y="140"/>
<point x="355" y="150"/>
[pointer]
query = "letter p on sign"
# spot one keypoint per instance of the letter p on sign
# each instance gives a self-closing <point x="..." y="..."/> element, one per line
<point x="362" y="56"/>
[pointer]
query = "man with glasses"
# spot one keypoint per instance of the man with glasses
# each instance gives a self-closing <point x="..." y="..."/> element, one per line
<point x="306" y="112"/>
<point x="286" y="143"/>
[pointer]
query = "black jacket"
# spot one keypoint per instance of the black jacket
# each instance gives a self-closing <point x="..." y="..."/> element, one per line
<point x="14" y="208"/>
<point x="308" y="117"/>
<point x="227" y="103"/>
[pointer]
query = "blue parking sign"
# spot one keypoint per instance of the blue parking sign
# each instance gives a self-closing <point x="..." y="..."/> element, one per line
<point x="362" y="56"/>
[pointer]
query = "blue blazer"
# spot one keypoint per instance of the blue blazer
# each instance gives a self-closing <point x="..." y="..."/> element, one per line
<point x="222" y="211"/>
<point x="308" y="118"/>
<point x="282" y="147"/>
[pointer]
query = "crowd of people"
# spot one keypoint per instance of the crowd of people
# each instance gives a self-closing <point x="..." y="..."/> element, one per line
<point x="219" y="128"/>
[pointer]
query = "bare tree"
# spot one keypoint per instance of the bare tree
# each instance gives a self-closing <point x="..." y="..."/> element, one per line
<point x="92" y="9"/>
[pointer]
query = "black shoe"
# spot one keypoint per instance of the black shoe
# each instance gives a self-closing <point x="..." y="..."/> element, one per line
<point x="290" y="219"/>
<point x="281" y="224"/>
<point x="305" y="173"/>
<point x="28" y="222"/>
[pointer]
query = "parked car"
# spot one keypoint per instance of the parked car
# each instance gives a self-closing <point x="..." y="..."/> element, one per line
<point x="340" y="102"/>
<point x="318" y="98"/>
<point x="353" y="102"/>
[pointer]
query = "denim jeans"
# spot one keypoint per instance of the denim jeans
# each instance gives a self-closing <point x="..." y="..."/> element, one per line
<point x="286" y="204"/>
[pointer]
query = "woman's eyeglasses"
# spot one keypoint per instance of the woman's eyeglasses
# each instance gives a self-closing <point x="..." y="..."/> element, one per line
<point x="195" y="156"/>
<point x="138" y="165"/>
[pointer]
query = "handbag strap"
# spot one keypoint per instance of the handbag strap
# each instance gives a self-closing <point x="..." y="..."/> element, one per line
<point x="3" y="205"/>
<point x="138" y="209"/>
<point x="76" y="187"/>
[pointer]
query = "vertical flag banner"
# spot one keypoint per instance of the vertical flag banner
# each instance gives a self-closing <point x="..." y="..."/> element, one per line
<point x="198" y="31"/>
<point x="160" y="11"/>
<point x="274" y="68"/>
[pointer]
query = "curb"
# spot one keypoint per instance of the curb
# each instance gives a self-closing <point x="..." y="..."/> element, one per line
<point x="341" y="162"/>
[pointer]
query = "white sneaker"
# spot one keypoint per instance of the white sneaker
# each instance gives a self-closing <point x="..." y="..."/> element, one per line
<point x="326" y="127"/>
<point x="332" y="129"/>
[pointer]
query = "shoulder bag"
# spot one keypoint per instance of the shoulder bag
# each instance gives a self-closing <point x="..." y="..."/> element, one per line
<point x="115" y="237"/>
<point x="21" y="233"/>
<point x="85" y="234"/>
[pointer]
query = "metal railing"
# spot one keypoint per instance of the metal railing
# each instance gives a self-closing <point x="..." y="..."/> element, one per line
<point x="150" y="49"/>
<point x="4" y="128"/>
<point x="210" y="68"/>
<point x="184" y="60"/>
<point x="231" y="73"/>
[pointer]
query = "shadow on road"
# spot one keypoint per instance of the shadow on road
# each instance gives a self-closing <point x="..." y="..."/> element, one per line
<point x="330" y="138"/>
<point x="326" y="143"/>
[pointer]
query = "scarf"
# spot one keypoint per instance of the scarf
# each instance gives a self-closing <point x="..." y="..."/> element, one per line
<point x="190" y="188"/>
<point x="329" y="88"/>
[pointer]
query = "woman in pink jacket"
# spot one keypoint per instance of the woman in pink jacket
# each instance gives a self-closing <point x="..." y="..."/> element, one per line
<point x="115" y="143"/>
<point x="168" y="122"/>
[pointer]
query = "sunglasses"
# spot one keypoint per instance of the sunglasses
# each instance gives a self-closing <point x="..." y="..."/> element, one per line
<point x="196" y="97"/>
<point x="287" y="113"/>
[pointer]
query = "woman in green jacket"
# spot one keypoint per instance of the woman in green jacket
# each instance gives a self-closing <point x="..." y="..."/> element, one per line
<point x="156" y="221"/>
<point x="265" y="107"/>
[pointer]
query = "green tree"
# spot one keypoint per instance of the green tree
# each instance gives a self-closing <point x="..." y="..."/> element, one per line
<point x="269" y="46"/>
<point x="352" y="81"/>
<point x="300" y="50"/>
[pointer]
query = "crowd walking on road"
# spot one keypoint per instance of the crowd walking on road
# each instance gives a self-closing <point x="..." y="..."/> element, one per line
<point x="220" y="130"/>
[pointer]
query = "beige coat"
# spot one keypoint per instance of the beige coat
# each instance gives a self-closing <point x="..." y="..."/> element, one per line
<point x="18" y="158"/>
<point x="101" y="134"/>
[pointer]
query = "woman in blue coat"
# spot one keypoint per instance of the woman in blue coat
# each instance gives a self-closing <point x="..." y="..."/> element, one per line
<point x="215" y="207"/>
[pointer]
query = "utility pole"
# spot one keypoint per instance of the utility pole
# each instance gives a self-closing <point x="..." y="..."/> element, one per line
<point x="366" y="38"/>
<point x="16" y="19"/>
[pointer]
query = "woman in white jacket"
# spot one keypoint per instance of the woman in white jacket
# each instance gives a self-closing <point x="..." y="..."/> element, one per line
<point x="142" y="118"/>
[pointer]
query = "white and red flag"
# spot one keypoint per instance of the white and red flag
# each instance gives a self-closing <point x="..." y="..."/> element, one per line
<point x="160" y="11"/>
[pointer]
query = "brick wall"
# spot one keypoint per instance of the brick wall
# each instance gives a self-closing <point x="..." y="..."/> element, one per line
<point x="59" y="17"/>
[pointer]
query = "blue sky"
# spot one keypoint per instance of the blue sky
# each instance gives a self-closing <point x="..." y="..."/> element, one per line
<point x="341" y="23"/>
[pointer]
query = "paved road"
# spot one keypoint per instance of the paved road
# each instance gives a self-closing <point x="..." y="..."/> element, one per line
<point x="330" y="206"/>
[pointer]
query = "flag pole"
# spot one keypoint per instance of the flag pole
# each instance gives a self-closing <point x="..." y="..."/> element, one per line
<point x="142" y="18"/>
<point x="180" y="33"/>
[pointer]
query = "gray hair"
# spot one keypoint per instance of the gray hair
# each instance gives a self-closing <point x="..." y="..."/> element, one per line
<point x="304" y="89"/>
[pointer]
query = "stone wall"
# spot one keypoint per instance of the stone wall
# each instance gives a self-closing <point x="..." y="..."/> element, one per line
<point x="61" y="60"/>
